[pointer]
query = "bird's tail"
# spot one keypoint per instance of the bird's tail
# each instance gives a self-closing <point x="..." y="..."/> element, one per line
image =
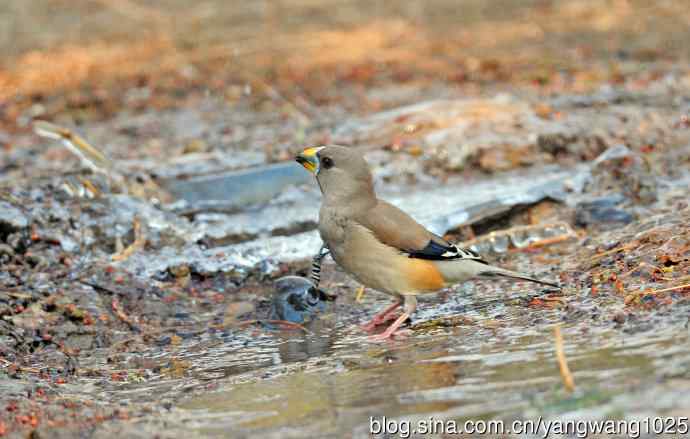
<point x="500" y="272"/>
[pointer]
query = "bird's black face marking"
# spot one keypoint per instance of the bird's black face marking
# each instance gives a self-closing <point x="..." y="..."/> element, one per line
<point x="327" y="162"/>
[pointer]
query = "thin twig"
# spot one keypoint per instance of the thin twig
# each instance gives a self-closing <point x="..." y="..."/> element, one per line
<point x="637" y="267"/>
<point x="91" y="156"/>
<point x="562" y="362"/>
<point x="115" y="304"/>
<point x="664" y="290"/>
<point x="675" y="279"/>
<point x="566" y="235"/>
<point x="139" y="241"/>
<point x="608" y="252"/>
<point x="359" y="295"/>
<point x="276" y="322"/>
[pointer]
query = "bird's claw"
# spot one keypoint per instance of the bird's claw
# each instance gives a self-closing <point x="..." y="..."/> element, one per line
<point x="403" y="333"/>
<point x="368" y="327"/>
<point x="376" y="322"/>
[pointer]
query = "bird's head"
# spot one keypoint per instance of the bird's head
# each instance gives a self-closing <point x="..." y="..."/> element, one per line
<point x="342" y="172"/>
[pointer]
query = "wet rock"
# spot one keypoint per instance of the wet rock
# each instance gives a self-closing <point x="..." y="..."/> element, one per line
<point x="442" y="117"/>
<point x="238" y="189"/>
<point x="603" y="211"/>
<point x="279" y="220"/>
<point x="12" y="219"/>
<point x="619" y="317"/>
<point x="239" y="261"/>
<point x="105" y="221"/>
<point x="53" y="361"/>
<point x="254" y="240"/>
<point x="6" y="253"/>
<point x="235" y="310"/>
<point x="80" y="341"/>
<point x="297" y="300"/>
<point x="201" y="164"/>
<point x="489" y="199"/>
<point x="500" y="133"/>
<point x="573" y="144"/>
<point x="604" y="97"/>
<point x="622" y="170"/>
<point x="13" y="388"/>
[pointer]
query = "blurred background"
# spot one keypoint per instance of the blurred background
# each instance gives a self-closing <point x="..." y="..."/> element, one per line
<point x="310" y="63"/>
<point x="134" y="54"/>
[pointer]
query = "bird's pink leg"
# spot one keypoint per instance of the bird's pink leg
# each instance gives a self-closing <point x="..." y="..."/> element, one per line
<point x="381" y="317"/>
<point x="410" y="307"/>
<point x="390" y="331"/>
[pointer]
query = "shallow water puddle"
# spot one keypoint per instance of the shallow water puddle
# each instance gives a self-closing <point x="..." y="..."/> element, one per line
<point x="462" y="373"/>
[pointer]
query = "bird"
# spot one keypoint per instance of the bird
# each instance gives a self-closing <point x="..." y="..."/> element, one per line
<point x="380" y="245"/>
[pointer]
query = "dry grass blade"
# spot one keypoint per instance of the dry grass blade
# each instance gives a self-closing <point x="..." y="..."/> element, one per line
<point x="359" y="295"/>
<point x="610" y="252"/>
<point x="568" y="380"/>
<point x="565" y="233"/>
<point x="90" y="188"/>
<point x="89" y="155"/>
<point x="138" y="244"/>
<point x="664" y="290"/>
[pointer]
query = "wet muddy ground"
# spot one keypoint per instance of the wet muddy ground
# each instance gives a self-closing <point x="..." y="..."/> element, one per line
<point x="136" y="294"/>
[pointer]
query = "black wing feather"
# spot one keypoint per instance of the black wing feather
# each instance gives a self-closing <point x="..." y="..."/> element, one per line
<point x="443" y="252"/>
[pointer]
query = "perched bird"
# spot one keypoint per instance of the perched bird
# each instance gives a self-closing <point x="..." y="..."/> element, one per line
<point x="379" y="244"/>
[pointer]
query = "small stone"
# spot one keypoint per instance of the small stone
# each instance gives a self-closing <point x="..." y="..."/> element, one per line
<point x="297" y="300"/>
<point x="195" y="146"/>
<point x="11" y="219"/>
<point x="602" y="211"/>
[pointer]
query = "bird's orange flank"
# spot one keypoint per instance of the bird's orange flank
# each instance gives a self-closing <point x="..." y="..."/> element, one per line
<point x="423" y="275"/>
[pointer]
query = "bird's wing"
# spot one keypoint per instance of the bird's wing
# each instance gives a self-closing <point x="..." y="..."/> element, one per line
<point x="397" y="229"/>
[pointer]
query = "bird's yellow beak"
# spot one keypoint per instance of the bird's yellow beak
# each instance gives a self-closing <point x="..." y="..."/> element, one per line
<point x="309" y="159"/>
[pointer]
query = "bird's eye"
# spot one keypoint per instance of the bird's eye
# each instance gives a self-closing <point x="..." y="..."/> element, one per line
<point x="327" y="162"/>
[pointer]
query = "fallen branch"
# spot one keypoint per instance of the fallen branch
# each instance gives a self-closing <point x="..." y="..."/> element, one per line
<point x="562" y="362"/>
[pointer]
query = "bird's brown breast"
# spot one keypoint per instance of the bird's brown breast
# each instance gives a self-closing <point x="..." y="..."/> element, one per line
<point x="382" y="267"/>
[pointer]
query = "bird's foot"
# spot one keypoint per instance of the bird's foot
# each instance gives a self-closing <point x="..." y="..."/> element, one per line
<point x="399" y="334"/>
<point x="381" y="317"/>
<point x="376" y="321"/>
<point x="392" y="330"/>
<point x="369" y="326"/>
